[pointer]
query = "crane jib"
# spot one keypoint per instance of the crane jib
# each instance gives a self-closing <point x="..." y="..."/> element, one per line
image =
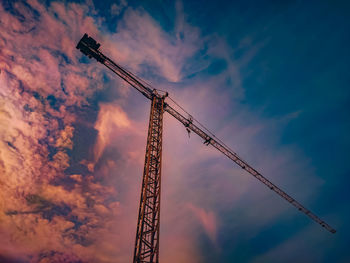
<point x="234" y="157"/>
<point x="89" y="47"/>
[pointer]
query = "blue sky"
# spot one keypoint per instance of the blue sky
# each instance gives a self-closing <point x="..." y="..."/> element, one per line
<point x="268" y="77"/>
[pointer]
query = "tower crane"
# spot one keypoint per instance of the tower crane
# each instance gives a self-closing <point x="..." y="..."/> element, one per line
<point x="147" y="233"/>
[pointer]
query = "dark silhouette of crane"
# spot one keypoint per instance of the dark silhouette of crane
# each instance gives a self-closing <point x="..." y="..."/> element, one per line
<point x="147" y="234"/>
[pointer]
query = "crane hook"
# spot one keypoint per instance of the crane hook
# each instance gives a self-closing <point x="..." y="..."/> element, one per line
<point x="189" y="121"/>
<point x="207" y="141"/>
<point x="188" y="132"/>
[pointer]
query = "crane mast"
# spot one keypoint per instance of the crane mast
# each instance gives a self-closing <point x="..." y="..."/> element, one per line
<point x="147" y="234"/>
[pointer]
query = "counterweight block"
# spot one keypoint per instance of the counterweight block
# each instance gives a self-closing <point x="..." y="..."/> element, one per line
<point x="89" y="47"/>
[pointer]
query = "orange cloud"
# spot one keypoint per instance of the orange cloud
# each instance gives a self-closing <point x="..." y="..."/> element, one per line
<point x="42" y="217"/>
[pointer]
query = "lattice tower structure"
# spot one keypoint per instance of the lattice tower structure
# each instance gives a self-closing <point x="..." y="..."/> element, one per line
<point x="147" y="234"/>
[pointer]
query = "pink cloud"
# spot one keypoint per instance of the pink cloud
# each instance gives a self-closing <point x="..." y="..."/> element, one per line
<point x="32" y="68"/>
<point x="110" y="119"/>
<point x="207" y="219"/>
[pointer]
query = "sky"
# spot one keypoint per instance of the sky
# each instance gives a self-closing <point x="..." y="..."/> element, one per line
<point x="269" y="78"/>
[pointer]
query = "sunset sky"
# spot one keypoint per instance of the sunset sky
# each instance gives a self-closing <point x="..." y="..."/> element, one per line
<point x="269" y="78"/>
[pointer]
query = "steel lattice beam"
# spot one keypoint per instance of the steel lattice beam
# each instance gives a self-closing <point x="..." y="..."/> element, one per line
<point x="147" y="234"/>
<point x="209" y="140"/>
